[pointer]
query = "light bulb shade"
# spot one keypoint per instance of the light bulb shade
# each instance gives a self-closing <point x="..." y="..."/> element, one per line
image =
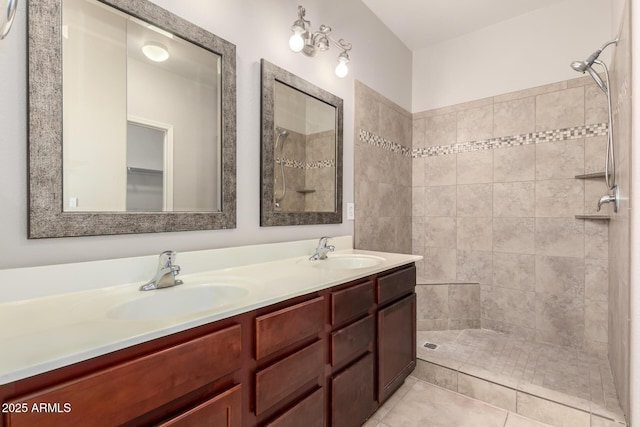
<point x="296" y="42"/>
<point x="155" y="51"/>
<point x="342" y="69"/>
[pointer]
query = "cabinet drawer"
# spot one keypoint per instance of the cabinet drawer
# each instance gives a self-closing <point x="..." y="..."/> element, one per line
<point x="309" y="413"/>
<point x="351" y="302"/>
<point x="277" y="330"/>
<point x="224" y="410"/>
<point x="352" y="395"/>
<point x="396" y="284"/>
<point x="281" y="379"/>
<point x="351" y="340"/>
<point x="115" y="395"/>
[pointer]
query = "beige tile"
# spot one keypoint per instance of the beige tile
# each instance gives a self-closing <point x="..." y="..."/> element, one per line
<point x="550" y="412"/>
<point x="475" y="167"/>
<point x="514" y="235"/>
<point x="440" y="232"/>
<point x="366" y="109"/>
<point x="514" y="163"/>
<point x="488" y="374"/>
<point x="554" y="395"/>
<point x="510" y="306"/>
<point x="595" y="105"/>
<point x="440" y="201"/>
<point x="514" y="199"/>
<point x="559" y="198"/>
<point x="432" y="324"/>
<point x="560" y="159"/>
<point x="597" y="421"/>
<point x="515" y="271"/>
<point x="440" y="130"/>
<point x="432" y="302"/>
<point x="417" y="199"/>
<point x="596" y="239"/>
<point x="392" y="401"/>
<point x="596" y="279"/>
<point x="474" y="266"/>
<point x="436" y="374"/>
<point x="596" y="320"/>
<point x="538" y="90"/>
<point x="417" y="172"/>
<point x="475" y="124"/>
<point x="439" y="264"/>
<point x="514" y="117"/>
<point x="461" y="107"/>
<point x="515" y="420"/>
<point x="560" y="237"/>
<point x="440" y="170"/>
<point x="418" y="133"/>
<point x="489" y="392"/>
<point x="475" y="233"/>
<point x="594" y="154"/>
<point x="559" y="319"/>
<point x="560" y="276"/>
<point x="561" y="109"/>
<point x="426" y="405"/>
<point x="464" y="301"/>
<point x="475" y="200"/>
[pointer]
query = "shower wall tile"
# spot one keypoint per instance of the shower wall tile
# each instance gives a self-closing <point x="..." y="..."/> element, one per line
<point x="440" y="170"/>
<point x="515" y="271"/>
<point x="560" y="159"/>
<point x="561" y="109"/>
<point x="559" y="198"/>
<point x="502" y="215"/>
<point x="595" y="105"/>
<point x="475" y="167"/>
<point x="514" y="199"/>
<point x="440" y="130"/>
<point x="514" y="117"/>
<point x="475" y="233"/>
<point x="560" y="237"/>
<point x="464" y="301"/>
<point x="440" y="232"/>
<point x="433" y="302"/>
<point x="514" y="164"/>
<point x="475" y="124"/>
<point x="475" y="200"/>
<point x="514" y="235"/>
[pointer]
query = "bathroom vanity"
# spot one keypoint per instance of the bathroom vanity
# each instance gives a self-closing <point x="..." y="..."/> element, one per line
<point x="329" y="357"/>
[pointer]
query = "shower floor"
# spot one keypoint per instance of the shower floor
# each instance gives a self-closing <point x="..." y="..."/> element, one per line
<point x="541" y="381"/>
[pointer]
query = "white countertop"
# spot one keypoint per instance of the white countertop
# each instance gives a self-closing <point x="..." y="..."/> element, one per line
<point x="48" y="332"/>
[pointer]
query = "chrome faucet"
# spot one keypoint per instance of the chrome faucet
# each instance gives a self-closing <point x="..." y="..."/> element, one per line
<point x="610" y="198"/>
<point x="166" y="274"/>
<point x="322" y="250"/>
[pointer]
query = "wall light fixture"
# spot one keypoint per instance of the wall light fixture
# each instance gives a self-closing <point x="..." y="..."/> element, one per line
<point x="308" y="42"/>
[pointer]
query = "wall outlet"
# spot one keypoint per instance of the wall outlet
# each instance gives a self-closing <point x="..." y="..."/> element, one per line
<point x="351" y="211"/>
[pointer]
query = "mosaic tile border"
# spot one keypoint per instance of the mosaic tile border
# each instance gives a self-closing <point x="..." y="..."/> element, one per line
<point x="599" y="129"/>
<point x="296" y="164"/>
<point x="378" y="141"/>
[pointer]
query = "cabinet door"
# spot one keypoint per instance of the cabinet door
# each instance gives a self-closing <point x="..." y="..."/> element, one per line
<point x="308" y="413"/>
<point x="352" y="395"/>
<point x="396" y="345"/>
<point x="222" y="410"/>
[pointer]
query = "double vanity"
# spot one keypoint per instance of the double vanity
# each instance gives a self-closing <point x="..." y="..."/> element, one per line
<point x="281" y="340"/>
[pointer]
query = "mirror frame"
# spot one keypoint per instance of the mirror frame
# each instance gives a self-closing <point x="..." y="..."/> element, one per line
<point x="46" y="215"/>
<point x="271" y="73"/>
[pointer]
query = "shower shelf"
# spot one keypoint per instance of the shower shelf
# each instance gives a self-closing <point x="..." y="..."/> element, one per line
<point x="306" y="190"/>
<point x="599" y="217"/>
<point x="591" y="175"/>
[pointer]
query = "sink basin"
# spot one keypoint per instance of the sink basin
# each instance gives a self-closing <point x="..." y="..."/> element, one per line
<point x="177" y="301"/>
<point x="348" y="262"/>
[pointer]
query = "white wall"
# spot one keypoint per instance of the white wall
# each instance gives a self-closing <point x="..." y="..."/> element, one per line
<point x="526" y="51"/>
<point x="259" y="29"/>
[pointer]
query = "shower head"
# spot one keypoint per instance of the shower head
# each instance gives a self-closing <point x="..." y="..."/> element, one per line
<point x="586" y="65"/>
<point x="281" y="131"/>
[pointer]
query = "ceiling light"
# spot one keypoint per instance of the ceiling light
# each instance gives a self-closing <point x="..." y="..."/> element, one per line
<point x="155" y="51"/>
<point x="308" y="42"/>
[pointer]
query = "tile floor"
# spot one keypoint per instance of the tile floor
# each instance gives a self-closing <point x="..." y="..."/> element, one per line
<point x="420" y="404"/>
<point x="545" y="382"/>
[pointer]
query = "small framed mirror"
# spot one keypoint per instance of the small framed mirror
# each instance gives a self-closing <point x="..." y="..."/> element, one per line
<point x="132" y="121"/>
<point x="301" y="151"/>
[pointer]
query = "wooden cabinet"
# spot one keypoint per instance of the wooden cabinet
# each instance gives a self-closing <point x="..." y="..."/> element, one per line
<point x="328" y="358"/>
<point x="396" y="345"/>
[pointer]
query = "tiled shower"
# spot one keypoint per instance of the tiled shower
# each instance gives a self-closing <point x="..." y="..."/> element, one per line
<point x="493" y="194"/>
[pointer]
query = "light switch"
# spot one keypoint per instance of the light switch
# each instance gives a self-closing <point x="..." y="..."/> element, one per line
<point x="351" y="211"/>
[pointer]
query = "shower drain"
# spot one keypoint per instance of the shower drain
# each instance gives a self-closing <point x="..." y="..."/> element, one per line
<point x="430" y="346"/>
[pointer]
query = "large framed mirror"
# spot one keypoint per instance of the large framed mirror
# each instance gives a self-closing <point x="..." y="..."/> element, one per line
<point x="301" y="179"/>
<point x="132" y="121"/>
